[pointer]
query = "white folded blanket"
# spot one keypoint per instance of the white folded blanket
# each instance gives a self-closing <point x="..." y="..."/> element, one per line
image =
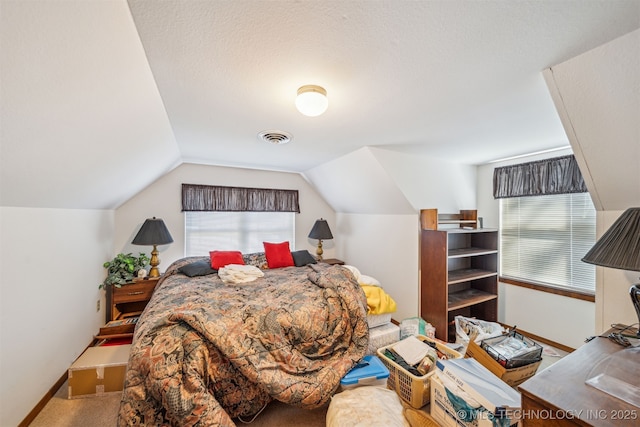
<point x="237" y="273"/>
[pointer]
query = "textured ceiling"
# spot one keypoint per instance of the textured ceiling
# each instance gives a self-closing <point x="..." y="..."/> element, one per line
<point x="455" y="79"/>
<point x="101" y="98"/>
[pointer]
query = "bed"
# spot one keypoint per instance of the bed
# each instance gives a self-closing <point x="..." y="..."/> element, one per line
<point x="205" y="352"/>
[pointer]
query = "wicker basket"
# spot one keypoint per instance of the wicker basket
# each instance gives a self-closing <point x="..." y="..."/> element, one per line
<point x="412" y="389"/>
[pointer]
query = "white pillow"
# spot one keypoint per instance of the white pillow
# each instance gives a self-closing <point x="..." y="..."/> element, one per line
<point x="368" y="280"/>
<point x="354" y="271"/>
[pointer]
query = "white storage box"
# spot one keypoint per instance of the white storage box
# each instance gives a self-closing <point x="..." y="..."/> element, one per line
<point x="444" y="412"/>
<point x="381" y="336"/>
<point x="375" y="320"/>
<point x="373" y="372"/>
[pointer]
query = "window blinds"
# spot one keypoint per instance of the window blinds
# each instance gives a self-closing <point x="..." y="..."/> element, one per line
<point x="547" y="223"/>
<point x="543" y="239"/>
<point x="236" y="231"/>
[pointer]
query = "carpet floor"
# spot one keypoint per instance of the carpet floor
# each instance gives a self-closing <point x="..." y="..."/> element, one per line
<point x="103" y="411"/>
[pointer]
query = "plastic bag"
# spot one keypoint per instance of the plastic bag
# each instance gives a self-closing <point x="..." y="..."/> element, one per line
<point x="615" y="375"/>
<point x="478" y="330"/>
<point x="366" y="406"/>
<point x="416" y="326"/>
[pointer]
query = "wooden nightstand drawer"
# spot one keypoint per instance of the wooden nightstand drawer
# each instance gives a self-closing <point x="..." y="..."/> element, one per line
<point x="141" y="291"/>
<point x="129" y="300"/>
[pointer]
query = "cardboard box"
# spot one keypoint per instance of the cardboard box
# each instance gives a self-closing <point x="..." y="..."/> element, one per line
<point x="99" y="371"/>
<point x="444" y="412"/>
<point x="372" y="373"/>
<point x="513" y="376"/>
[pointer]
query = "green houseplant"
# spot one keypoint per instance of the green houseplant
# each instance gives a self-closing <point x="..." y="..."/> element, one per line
<point x="123" y="268"/>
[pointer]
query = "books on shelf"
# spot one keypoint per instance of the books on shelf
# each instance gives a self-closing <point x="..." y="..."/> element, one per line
<point x="119" y="326"/>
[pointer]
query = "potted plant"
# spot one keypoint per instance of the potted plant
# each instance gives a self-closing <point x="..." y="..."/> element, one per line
<point x="123" y="268"/>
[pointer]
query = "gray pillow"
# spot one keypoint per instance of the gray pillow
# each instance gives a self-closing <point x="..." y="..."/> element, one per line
<point x="303" y="257"/>
<point x="198" y="268"/>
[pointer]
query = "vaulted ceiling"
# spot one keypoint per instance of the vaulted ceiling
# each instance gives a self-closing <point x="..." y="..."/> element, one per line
<point x="101" y="98"/>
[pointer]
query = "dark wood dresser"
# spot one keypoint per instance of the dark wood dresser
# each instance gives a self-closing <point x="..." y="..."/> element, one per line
<point x="558" y="395"/>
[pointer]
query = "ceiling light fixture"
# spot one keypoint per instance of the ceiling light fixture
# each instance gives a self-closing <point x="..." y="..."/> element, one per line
<point x="312" y="100"/>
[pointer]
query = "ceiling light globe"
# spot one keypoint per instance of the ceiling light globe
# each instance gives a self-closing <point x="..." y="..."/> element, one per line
<point x="312" y="100"/>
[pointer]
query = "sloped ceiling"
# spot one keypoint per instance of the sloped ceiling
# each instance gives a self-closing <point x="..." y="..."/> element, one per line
<point x="365" y="188"/>
<point x="83" y="124"/>
<point x="101" y="98"/>
<point x="598" y="97"/>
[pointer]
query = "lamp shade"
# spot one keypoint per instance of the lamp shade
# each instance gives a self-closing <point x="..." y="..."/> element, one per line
<point x="321" y="230"/>
<point x="619" y="247"/>
<point x="153" y="232"/>
<point x="312" y="100"/>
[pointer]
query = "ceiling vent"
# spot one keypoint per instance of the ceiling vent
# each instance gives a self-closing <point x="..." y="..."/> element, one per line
<point x="275" y="137"/>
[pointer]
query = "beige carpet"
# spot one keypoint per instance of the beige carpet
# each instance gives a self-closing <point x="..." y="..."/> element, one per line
<point x="63" y="412"/>
<point x="103" y="412"/>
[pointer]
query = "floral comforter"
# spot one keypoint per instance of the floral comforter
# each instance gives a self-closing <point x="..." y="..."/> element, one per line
<point x="205" y="352"/>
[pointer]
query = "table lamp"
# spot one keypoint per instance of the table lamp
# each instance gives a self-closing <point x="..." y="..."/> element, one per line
<point x="153" y="232"/>
<point x="619" y="248"/>
<point x="321" y="232"/>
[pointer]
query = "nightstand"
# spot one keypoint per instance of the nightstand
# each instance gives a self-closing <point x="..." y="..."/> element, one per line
<point x="332" y="261"/>
<point x="130" y="299"/>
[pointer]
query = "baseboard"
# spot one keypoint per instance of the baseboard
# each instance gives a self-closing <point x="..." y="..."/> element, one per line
<point x="47" y="397"/>
<point x="43" y="402"/>
<point x="541" y="339"/>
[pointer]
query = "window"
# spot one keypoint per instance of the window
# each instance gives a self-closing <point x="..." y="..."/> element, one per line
<point x="240" y="231"/>
<point x="543" y="239"/>
<point x="237" y="218"/>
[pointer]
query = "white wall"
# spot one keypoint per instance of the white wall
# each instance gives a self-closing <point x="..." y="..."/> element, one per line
<point x="358" y="183"/>
<point x="162" y="199"/>
<point x="384" y="247"/>
<point x="597" y="95"/>
<point x="429" y="182"/>
<point x="380" y="181"/>
<point x="561" y="319"/>
<point x="51" y="266"/>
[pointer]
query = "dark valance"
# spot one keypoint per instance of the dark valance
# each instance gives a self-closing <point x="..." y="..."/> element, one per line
<point x="238" y="199"/>
<point x="559" y="175"/>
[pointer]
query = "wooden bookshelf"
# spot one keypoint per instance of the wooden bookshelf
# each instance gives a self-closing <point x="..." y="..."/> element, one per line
<point x="458" y="270"/>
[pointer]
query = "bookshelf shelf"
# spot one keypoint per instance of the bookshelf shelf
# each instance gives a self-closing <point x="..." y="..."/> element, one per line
<point x="458" y="270"/>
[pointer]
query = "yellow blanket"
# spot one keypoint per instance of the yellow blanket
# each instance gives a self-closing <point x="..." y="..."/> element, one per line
<point x="378" y="301"/>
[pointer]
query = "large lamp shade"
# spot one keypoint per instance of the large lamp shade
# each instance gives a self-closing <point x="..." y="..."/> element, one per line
<point x="152" y="233"/>
<point x="619" y="248"/>
<point x="320" y="231"/>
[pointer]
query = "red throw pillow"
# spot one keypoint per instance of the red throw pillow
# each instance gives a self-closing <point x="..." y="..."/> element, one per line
<point x="278" y="254"/>
<point x="221" y="258"/>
